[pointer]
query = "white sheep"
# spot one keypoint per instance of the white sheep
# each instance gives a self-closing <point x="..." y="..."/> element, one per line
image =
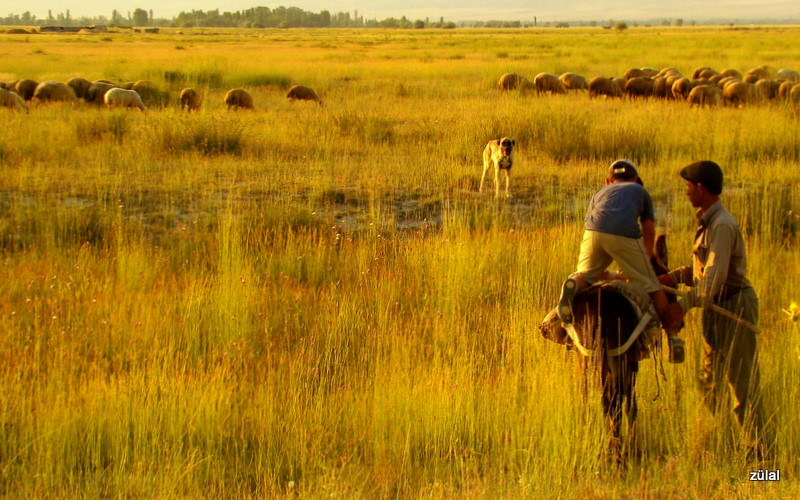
<point x="121" y="98"/>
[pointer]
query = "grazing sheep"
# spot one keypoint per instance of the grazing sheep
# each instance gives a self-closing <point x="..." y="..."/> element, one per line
<point x="80" y="86"/>
<point x="794" y="94"/>
<point x="639" y="87"/>
<point x="741" y="93"/>
<point x="770" y="87"/>
<point x="705" y="95"/>
<point x="25" y="89"/>
<point x="572" y="81"/>
<point x="716" y="79"/>
<point x="601" y="85"/>
<point x="303" y="93"/>
<point x="53" y="91"/>
<point x="12" y="100"/>
<point x="149" y="93"/>
<point x="649" y="72"/>
<point x="731" y="72"/>
<point x="660" y="88"/>
<point x="681" y="88"/>
<point x="620" y="82"/>
<point x="785" y="88"/>
<point x="547" y="82"/>
<point x="97" y="90"/>
<point x="756" y="74"/>
<point x="121" y="98"/>
<point x="633" y="73"/>
<point x="787" y="75"/>
<point x="127" y="85"/>
<point x="706" y="74"/>
<point x="190" y="100"/>
<point x="726" y="80"/>
<point x="696" y="73"/>
<point x="239" y="99"/>
<point x="666" y="72"/>
<point x="513" y="81"/>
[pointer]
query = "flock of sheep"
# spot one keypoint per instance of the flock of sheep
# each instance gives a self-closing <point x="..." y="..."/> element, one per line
<point x="706" y="87"/>
<point x="17" y="94"/>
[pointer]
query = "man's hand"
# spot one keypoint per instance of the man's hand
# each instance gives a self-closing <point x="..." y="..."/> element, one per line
<point x="666" y="279"/>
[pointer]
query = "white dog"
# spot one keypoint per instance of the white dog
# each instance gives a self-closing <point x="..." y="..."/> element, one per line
<point x="500" y="154"/>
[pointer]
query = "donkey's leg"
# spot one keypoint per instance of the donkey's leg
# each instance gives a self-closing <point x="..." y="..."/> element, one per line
<point x="612" y="406"/>
<point x="631" y="407"/>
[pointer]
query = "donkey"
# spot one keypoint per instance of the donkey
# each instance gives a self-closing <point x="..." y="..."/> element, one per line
<point x="607" y="324"/>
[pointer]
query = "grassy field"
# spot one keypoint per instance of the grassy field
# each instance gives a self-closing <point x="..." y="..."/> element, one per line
<point x="314" y="302"/>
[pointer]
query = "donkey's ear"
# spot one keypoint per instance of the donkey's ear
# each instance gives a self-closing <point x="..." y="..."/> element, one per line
<point x="660" y="250"/>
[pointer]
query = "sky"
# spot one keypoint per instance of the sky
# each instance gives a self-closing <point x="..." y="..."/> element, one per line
<point x="451" y="10"/>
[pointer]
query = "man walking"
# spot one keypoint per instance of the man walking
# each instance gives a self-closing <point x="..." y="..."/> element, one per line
<point x="717" y="276"/>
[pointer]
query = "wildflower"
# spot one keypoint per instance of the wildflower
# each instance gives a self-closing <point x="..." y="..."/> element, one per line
<point x="793" y="311"/>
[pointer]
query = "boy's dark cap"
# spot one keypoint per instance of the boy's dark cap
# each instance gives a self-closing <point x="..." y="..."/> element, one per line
<point x="705" y="172"/>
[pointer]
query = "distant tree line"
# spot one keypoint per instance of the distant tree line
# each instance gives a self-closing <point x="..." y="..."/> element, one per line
<point x="256" y="17"/>
<point x="293" y="17"/>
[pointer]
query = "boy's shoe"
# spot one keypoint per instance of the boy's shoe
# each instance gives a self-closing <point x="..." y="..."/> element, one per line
<point x="564" y="309"/>
<point x="677" y="352"/>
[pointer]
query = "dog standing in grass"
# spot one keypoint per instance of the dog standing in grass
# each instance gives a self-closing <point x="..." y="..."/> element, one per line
<point x="500" y="154"/>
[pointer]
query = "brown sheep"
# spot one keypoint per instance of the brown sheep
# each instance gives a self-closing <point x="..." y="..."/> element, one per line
<point x="601" y="85"/>
<point x="756" y="74"/>
<point x="660" y="88"/>
<point x="770" y="87"/>
<point x="794" y="94"/>
<point x="572" y="81"/>
<point x="149" y="93"/>
<point x="633" y="73"/>
<point x="53" y="91"/>
<point x="639" y="87"/>
<point x="785" y="88"/>
<point x="731" y="72"/>
<point x="726" y="80"/>
<point x="666" y="72"/>
<point x="787" y="75"/>
<point x="12" y="100"/>
<point x="547" y="82"/>
<point x="696" y="73"/>
<point x="649" y="72"/>
<point x="706" y="74"/>
<point x="741" y="93"/>
<point x="80" y="86"/>
<point x="303" y="93"/>
<point x="121" y="98"/>
<point x="25" y="89"/>
<point x="705" y="95"/>
<point x="681" y="88"/>
<point x="190" y="99"/>
<point x="513" y="81"/>
<point x="97" y="90"/>
<point x="239" y="99"/>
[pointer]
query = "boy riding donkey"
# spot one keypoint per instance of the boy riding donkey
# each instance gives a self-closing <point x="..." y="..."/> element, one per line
<point x="620" y="226"/>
